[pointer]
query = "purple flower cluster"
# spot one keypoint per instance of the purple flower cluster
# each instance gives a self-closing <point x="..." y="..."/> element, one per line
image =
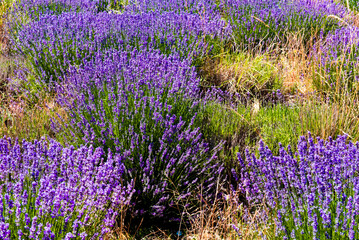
<point x="266" y="22"/>
<point x="337" y="61"/>
<point x="200" y="7"/>
<point x="54" y="43"/>
<point x="35" y="8"/>
<point x="83" y="4"/>
<point x="314" y="191"/>
<point x="142" y="106"/>
<point x="52" y="192"/>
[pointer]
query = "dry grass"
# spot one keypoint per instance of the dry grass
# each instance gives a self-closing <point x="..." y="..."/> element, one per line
<point x="214" y="221"/>
<point x="294" y="67"/>
<point x="287" y="68"/>
<point x="226" y="218"/>
<point x="23" y="121"/>
<point x="330" y="119"/>
<point x="18" y="118"/>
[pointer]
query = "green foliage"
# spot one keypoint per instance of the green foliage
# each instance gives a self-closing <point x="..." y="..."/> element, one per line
<point x="244" y="126"/>
<point x="351" y="4"/>
<point x="242" y="73"/>
<point x="112" y="5"/>
<point x="220" y="122"/>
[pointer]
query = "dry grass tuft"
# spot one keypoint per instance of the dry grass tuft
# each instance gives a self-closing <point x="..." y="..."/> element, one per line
<point x="23" y="121"/>
<point x="288" y="68"/>
<point x="227" y="219"/>
<point x="224" y="218"/>
<point x="294" y="67"/>
<point x="330" y="119"/>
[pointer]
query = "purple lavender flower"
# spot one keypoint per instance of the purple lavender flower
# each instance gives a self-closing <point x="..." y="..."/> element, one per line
<point x="262" y="23"/>
<point x="336" y="61"/>
<point x="314" y="187"/>
<point x="69" y="185"/>
<point x="54" y="43"/>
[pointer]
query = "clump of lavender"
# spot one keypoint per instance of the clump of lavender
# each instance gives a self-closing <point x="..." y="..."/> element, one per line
<point x="54" y="43"/>
<point x="266" y="24"/>
<point x="35" y="8"/>
<point x="314" y="193"/>
<point x="205" y="9"/>
<point x="142" y="106"/>
<point x="337" y="62"/>
<point x="48" y="191"/>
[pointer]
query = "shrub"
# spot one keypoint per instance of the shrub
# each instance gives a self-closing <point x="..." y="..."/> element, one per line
<point x="313" y="192"/>
<point x="142" y="106"/>
<point x="336" y="65"/>
<point x="205" y="9"/>
<point x="262" y="24"/>
<point x="54" y="43"/>
<point x="34" y="9"/>
<point x="48" y="191"/>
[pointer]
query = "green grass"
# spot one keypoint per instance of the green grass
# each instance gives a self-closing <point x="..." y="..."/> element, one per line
<point x="5" y="5"/>
<point x="115" y="6"/>
<point x="242" y="127"/>
<point x="351" y="4"/>
<point x="243" y="73"/>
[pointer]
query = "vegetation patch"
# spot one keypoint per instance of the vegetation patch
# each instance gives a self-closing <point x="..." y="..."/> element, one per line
<point x="155" y="119"/>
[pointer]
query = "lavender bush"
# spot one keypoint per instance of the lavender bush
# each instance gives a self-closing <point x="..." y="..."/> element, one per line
<point x="142" y="106"/>
<point x="48" y="191"/>
<point x="54" y="43"/>
<point x="28" y="11"/>
<point x="35" y="8"/>
<point x="264" y="23"/>
<point x="337" y="62"/>
<point x="313" y="192"/>
<point x="205" y="9"/>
